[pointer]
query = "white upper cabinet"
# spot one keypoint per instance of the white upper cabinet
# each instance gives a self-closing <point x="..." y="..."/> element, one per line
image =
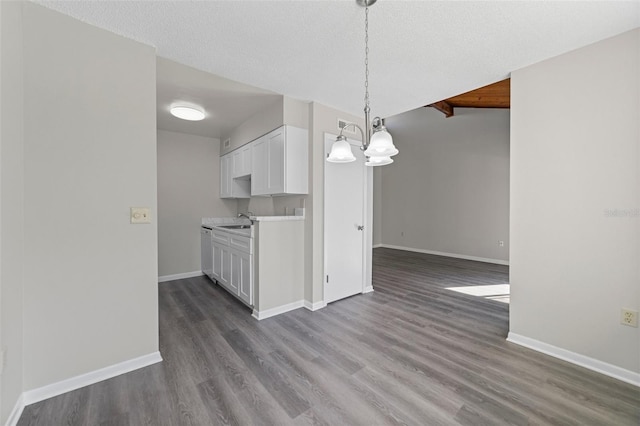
<point x="230" y="186"/>
<point x="259" y="153"/>
<point x="226" y="164"/>
<point x="242" y="161"/>
<point x="280" y="162"/>
<point x="274" y="164"/>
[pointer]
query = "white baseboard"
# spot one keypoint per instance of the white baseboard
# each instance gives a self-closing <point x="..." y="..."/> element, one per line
<point x="575" y="358"/>
<point x="377" y="245"/>
<point x="15" y="414"/>
<point x="441" y="253"/>
<point x="267" y="313"/>
<point x="174" y="277"/>
<point x="314" y="306"/>
<point x="367" y="289"/>
<point x="77" y="382"/>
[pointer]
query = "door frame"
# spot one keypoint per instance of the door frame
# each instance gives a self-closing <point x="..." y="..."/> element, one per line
<point x="367" y="235"/>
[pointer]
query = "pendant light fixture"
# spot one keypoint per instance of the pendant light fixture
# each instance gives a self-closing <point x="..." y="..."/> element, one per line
<point x="377" y="143"/>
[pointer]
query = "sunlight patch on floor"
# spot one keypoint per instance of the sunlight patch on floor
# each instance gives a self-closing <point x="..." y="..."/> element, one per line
<point x="497" y="292"/>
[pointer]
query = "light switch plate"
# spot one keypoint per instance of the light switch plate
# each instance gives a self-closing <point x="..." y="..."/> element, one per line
<point x="140" y="215"/>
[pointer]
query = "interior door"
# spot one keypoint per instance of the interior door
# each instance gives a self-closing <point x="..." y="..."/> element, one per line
<point x="344" y="221"/>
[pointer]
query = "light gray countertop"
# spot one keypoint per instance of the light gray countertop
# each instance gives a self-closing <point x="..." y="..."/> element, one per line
<point x="219" y="223"/>
<point x="276" y="218"/>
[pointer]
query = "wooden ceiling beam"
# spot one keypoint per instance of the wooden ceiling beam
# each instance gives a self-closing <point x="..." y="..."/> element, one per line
<point x="443" y="107"/>
<point x="496" y="95"/>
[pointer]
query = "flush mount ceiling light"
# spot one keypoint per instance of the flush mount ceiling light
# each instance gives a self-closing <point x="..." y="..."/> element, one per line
<point x="187" y="112"/>
<point x="378" y="147"/>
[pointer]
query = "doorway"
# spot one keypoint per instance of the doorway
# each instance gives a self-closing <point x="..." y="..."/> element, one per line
<point x="347" y="225"/>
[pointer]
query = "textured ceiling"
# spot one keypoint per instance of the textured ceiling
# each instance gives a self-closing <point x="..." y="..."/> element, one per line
<point x="421" y="51"/>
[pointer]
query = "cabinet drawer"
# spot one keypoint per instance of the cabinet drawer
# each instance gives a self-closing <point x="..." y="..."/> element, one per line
<point x="220" y="237"/>
<point x="242" y="244"/>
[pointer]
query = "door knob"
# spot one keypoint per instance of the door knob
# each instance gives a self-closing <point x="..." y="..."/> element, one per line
<point x="360" y="227"/>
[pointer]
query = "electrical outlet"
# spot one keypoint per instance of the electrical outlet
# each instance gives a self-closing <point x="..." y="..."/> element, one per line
<point x="140" y="215"/>
<point x="629" y="317"/>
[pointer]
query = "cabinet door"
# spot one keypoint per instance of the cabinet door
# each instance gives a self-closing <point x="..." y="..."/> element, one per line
<point x="226" y="170"/>
<point x="242" y="161"/>
<point x="225" y="267"/>
<point x="279" y="163"/>
<point x="259" y="162"/>
<point x="237" y="163"/>
<point x="246" y="160"/>
<point x="236" y="273"/>
<point x="276" y="163"/>
<point x="217" y="261"/>
<point x="245" y="283"/>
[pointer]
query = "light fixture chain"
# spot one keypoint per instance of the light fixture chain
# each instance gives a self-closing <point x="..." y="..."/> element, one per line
<point x="366" y="58"/>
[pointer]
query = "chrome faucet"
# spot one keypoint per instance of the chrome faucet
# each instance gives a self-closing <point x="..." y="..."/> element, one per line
<point x="247" y="215"/>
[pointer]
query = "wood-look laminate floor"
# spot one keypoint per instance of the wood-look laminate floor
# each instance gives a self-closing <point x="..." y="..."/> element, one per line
<point x="411" y="353"/>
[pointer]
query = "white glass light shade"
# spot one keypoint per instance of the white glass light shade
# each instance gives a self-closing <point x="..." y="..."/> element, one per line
<point x="341" y="152"/>
<point x="378" y="161"/>
<point x="381" y="145"/>
<point x="187" y="113"/>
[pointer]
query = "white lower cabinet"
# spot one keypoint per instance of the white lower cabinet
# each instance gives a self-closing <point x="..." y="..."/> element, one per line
<point x="217" y="262"/>
<point x="225" y="267"/>
<point x="233" y="264"/>
<point x="242" y="271"/>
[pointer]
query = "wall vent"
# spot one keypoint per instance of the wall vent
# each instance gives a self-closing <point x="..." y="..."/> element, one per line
<point x="349" y="130"/>
<point x="227" y="143"/>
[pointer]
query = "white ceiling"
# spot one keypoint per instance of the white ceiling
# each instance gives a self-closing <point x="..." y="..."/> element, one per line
<point x="421" y="51"/>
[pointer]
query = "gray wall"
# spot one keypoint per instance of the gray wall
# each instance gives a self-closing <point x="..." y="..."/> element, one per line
<point x="11" y="205"/>
<point x="89" y="287"/>
<point x="448" y="188"/>
<point x="259" y="124"/>
<point x="271" y="206"/>
<point x="574" y="264"/>
<point x="188" y="190"/>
